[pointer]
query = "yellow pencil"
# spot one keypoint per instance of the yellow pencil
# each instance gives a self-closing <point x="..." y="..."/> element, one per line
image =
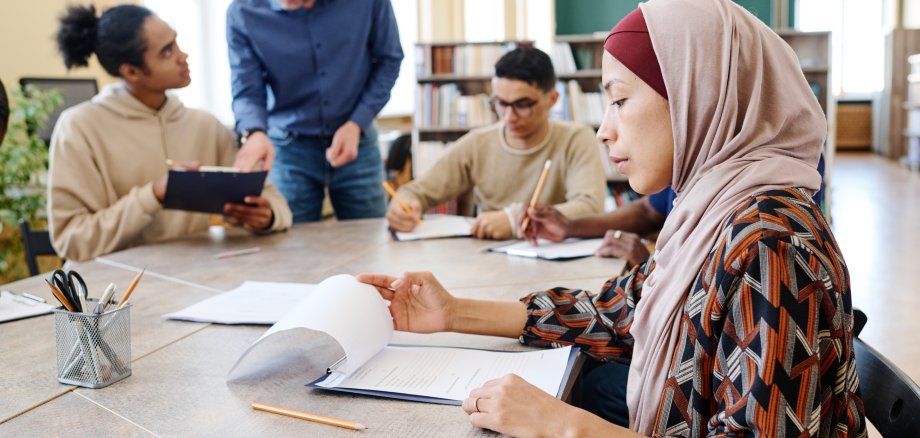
<point x="309" y="417"/>
<point x="130" y="290"/>
<point x="60" y="296"/>
<point x="402" y="203"/>
<point x="536" y="193"/>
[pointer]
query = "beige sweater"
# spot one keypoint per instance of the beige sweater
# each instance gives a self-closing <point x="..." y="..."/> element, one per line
<point x="105" y="155"/>
<point x="503" y="177"/>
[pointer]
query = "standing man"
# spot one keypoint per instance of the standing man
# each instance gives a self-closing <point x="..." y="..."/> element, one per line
<point x="308" y="78"/>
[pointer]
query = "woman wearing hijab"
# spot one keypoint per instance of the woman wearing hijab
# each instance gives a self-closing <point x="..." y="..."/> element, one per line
<point x="740" y="323"/>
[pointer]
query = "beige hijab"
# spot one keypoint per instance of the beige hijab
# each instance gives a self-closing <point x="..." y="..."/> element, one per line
<point x="744" y="121"/>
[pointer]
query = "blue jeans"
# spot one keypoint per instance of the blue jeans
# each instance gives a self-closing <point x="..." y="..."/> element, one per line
<point x="302" y="174"/>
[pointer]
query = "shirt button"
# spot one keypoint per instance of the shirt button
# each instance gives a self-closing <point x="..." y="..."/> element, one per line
<point x="318" y="45"/>
<point x="322" y="73"/>
<point x="325" y="102"/>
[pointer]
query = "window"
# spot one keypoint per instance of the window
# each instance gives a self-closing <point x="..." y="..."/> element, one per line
<point x="201" y="25"/>
<point x="857" y="42"/>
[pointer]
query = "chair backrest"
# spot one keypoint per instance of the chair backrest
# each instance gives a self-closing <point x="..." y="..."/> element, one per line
<point x="73" y="91"/>
<point x="891" y="399"/>
<point x="36" y="243"/>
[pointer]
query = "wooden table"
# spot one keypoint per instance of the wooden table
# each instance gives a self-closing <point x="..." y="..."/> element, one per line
<point x="178" y="384"/>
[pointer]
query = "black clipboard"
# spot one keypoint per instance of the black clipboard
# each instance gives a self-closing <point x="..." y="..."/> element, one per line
<point x="208" y="191"/>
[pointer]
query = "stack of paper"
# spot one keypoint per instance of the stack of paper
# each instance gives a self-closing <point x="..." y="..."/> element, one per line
<point x="438" y="226"/>
<point x="567" y="249"/>
<point x="14" y="306"/>
<point x="253" y="302"/>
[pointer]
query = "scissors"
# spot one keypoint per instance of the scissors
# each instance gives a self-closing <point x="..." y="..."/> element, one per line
<point x="72" y="286"/>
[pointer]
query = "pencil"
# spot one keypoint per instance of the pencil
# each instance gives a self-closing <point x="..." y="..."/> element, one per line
<point x="130" y="290"/>
<point x="237" y="252"/>
<point x="309" y="417"/>
<point x="402" y="203"/>
<point x="536" y="193"/>
<point x="60" y="296"/>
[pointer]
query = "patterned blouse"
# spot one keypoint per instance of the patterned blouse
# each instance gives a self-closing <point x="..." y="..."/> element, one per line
<point x="766" y="336"/>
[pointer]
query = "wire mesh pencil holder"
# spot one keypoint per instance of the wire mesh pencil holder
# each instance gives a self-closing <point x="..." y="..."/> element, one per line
<point x="93" y="350"/>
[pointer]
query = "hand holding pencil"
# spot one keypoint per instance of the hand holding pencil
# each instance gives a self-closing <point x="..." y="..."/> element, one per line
<point x="402" y="215"/>
<point x="536" y="195"/>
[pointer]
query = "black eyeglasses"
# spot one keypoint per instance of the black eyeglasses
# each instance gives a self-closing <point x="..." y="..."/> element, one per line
<point x="521" y="107"/>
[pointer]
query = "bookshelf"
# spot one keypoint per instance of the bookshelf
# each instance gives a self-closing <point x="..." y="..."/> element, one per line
<point x="577" y="59"/>
<point x="912" y="132"/>
<point x="454" y="83"/>
<point x="814" y="52"/>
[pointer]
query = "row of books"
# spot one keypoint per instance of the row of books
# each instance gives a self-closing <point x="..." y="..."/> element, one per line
<point x="442" y="105"/>
<point x="471" y="59"/>
<point x="577" y="105"/>
<point x="569" y="59"/>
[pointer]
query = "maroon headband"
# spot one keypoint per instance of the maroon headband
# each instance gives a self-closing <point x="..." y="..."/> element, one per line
<point x="630" y="44"/>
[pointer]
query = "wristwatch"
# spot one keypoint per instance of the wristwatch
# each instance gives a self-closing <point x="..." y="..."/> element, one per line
<point x="244" y="134"/>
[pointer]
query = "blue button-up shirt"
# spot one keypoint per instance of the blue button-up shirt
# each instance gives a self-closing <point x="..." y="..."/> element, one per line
<point x="309" y="71"/>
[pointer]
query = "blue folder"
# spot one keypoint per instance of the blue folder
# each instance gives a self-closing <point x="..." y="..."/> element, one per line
<point x="573" y="364"/>
<point x="208" y="191"/>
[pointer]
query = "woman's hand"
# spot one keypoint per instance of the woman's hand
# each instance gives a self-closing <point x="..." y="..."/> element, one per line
<point x="418" y="302"/>
<point x="511" y="406"/>
<point x="625" y="245"/>
<point x="545" y="223"/>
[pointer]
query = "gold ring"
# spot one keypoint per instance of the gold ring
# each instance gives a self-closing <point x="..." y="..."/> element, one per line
<point x="617" y="234"/>
<point x="476" y="405"/>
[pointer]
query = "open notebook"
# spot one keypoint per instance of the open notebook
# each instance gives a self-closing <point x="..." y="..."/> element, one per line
<point x="357" y="320"/>
<point x="565" y="250"/>
<point x="437" y="226"/>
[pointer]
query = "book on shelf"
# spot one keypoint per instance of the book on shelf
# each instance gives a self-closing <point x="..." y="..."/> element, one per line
<point x="444" y="105"/>
<point x="470" y="59"/>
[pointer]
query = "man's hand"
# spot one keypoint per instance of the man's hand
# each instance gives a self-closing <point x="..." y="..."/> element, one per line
<point x="256" y="213"/>
<point x="344" y="148"/>
<point x="492" y="225"/>
<point x="258" y="147"/>
<point x="399" y="219"/>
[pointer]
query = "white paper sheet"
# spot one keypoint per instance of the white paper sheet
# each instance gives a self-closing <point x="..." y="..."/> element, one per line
<point x="351" y="312"/>
<point x="14" y="306"/>
<point x="253" y="302"/>
<point x="567" y="249"/>
<point x="451" y="373"/>
<point x="438" y="226"/>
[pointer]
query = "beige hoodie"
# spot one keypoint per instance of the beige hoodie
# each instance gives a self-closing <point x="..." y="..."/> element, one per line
<point x="105" y="155"/>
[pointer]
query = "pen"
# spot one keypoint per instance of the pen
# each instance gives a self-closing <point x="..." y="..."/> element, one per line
<point x="402" y="203"/>
<point x="309" y="417"/>
<point x="32" y="297"/>
<point x="130" y="290"/>
<point x="237" y="252"/>
<point x="536" y="194"/>
<point x="105" y="298"/>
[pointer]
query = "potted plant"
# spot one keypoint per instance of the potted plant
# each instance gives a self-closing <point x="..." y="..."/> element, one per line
<point x="23" y="171"/>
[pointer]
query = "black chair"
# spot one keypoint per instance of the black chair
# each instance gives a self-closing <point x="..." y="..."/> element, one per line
<point x="36" y="243"/>
<point x="891" y="399"/>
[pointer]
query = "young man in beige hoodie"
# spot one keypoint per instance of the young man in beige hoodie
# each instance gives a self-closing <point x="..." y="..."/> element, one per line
<point x="107" y="173"/>
<point x="502" y="162"/>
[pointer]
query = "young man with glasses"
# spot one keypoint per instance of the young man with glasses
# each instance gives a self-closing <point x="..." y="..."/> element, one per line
<point x="502" y="162"/>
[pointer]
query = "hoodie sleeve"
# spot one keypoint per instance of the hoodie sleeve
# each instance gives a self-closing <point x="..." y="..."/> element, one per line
<point x="82" y="223"/>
